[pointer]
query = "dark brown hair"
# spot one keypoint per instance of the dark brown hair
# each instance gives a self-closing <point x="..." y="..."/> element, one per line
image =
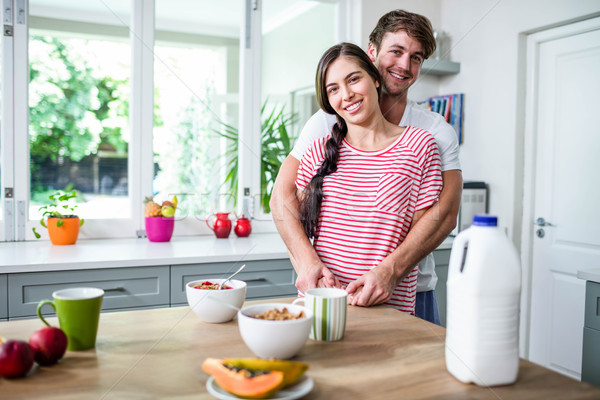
<point x="310" y="204"/>
<point x="416" y="26"/>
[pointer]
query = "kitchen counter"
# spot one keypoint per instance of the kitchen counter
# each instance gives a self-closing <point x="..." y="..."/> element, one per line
<point x="37" y="256"/>
<point x="114" y="253"/>
<point x="589" y="275"/>
<point x="158" y="353"/>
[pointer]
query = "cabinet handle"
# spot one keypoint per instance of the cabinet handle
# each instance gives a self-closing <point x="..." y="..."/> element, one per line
<point x="117" y="289"/>
<point x="256" y="280"/>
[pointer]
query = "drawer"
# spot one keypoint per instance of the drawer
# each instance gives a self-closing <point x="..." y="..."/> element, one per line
<point x="265" y="278"/>
<point x="124" y="287"/>
<point x="591" y="354"/>
<point x="592" y="305"/>
<point x="3" y="296"/>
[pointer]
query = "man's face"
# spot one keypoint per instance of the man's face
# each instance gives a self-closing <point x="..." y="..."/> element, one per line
<point x="399" y="61"/>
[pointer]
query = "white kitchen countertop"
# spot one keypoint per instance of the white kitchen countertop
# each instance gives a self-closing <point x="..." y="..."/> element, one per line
<point x="590" y="275"/>
<point x="34" y="256"/>
<point x="111" y="253"/>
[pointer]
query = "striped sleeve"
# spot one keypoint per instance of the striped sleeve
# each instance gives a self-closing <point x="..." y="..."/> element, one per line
<point x="431" y="166"/>
<point x="311" y="161"/>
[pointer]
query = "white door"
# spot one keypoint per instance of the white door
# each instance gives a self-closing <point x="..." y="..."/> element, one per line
<point x="566" y="147"/>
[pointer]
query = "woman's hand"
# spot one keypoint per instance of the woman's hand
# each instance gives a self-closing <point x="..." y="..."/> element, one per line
<point x="317" y="275"/>
<point x="374" y="287"/>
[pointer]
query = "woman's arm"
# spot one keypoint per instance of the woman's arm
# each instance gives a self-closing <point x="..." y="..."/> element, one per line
<point x="428" y="230"/>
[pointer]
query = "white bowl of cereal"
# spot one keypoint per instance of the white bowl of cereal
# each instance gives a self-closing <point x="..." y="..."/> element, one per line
<point x="207" y="301"/>
<point x="275" y="338"/>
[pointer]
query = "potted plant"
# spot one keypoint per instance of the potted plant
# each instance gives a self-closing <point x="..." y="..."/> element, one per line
<point x="276" y="144"/>
<point x="60" y="219"/>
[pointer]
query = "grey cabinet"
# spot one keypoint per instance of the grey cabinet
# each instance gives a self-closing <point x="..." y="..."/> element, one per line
<point x="133" y="287"/>
<point x="265" y="278"/>
<point x="3" y="297"/>
<point x="442" y="259"/>
<point x="590" y="366"/>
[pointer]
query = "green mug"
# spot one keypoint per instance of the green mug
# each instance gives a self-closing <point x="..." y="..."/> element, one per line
<point x="329" y="312"/>
<point x="78" y="311"/>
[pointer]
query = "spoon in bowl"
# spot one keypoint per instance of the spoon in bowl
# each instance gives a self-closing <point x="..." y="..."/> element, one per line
<point x="232" y="275"/>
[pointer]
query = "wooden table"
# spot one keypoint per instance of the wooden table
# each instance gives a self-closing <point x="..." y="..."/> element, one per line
<point x="157" y="354"/>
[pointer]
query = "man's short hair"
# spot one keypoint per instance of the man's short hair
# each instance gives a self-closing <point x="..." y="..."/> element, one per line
<point x="416" y="26"/>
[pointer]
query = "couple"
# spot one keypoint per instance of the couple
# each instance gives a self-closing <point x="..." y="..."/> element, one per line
<point x="365" y="177"/>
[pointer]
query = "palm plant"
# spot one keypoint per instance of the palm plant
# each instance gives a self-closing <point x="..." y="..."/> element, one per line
<point x="276" y="144"/>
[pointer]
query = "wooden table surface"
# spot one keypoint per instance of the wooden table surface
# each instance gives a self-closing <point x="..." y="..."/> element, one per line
<point x="158" y="353"/>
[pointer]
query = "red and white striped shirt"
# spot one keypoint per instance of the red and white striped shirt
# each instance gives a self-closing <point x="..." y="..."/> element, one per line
<point x="369" y="203"/>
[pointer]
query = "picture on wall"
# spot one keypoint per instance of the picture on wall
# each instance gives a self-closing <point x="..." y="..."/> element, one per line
<point x="451" y="107"/>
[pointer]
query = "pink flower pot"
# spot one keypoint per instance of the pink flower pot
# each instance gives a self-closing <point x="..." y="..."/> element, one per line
<point x="159" y="229"/>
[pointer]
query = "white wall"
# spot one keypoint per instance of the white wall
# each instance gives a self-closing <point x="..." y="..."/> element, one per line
<point x="488" y="41"/>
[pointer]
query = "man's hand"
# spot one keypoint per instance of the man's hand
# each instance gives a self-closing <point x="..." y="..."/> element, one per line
<point x="374" y="287"/>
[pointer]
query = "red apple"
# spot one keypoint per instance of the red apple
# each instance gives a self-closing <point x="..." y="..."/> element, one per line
<point x="16" y="359"/>
<point x="49" y="344"/>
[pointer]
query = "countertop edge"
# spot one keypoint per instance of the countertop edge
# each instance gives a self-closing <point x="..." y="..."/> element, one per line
<point x="589" y="275"/>
<point x="40" y="256"/>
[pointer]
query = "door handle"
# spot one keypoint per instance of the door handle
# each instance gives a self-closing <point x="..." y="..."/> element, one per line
<point x="542" y="222"/>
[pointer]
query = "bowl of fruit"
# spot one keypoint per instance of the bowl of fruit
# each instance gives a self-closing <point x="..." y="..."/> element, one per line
<point x="212" y="304"/>
<point x="160" y="219"/>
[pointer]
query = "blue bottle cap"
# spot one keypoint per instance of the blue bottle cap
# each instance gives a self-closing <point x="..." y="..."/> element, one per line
<point x="485" y="220"/>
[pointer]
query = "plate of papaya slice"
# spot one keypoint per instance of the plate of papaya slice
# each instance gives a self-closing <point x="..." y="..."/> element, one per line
<point x="252" y="378"/>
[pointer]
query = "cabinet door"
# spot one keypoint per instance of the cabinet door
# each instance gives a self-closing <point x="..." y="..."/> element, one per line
<point x="442" y="258"/>
<point x="265" y="278"/>
<point x="591" y="354"/>
<point x="124" y="287"/>
<point x="592" y="305"/>
<point x="3" y="297"/>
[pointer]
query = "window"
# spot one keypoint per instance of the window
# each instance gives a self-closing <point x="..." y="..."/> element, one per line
<point x="154" y="98"/>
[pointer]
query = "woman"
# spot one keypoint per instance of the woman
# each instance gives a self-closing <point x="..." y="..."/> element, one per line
<point x="362" y="187"/>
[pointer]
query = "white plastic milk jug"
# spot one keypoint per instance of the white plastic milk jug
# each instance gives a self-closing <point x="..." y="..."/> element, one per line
<point x="482" y="318"/>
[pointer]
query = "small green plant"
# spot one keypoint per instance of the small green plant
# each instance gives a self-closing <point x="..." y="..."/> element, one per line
<point x="61" y="207"/>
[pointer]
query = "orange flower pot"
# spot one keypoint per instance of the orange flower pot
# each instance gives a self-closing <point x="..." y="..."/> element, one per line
<point x="66" y="233"/>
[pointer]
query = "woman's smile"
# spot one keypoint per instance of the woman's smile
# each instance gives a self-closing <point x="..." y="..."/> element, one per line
<point x="354" y="107"/>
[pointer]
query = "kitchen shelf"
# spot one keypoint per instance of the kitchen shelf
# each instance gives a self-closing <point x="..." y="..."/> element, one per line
<point x="440" y="67"/>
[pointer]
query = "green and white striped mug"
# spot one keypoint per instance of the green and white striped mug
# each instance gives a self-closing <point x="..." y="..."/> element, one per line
<point x="329" y="308"/>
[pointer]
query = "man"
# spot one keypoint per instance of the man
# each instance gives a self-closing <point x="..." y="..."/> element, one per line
<point x="398" y="45"/>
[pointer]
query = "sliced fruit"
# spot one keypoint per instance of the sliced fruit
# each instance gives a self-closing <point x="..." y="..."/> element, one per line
<point x="292" y="370"/>
<point x="243" y="382"/>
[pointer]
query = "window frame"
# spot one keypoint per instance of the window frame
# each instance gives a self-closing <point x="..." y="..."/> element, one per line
<point x="15" y="223"/>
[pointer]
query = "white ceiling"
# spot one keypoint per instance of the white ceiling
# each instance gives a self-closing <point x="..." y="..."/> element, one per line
<point x="216" y="17"/>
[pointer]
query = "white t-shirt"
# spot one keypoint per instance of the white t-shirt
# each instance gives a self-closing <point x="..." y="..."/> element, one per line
<point x="321" y="123"/>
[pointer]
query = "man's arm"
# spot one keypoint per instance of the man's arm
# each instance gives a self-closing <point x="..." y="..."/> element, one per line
<point x="284" y="209"/>
<point x="424" y="236"/>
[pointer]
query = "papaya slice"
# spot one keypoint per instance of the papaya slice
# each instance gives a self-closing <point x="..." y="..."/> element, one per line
<point x="292" y="370"/>
<point x="242" y="382"/>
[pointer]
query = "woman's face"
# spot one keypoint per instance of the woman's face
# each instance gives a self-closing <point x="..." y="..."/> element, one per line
<point x="351" y="91"/>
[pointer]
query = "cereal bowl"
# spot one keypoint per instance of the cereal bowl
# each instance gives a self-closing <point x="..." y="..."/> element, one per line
<point x="274" y="339"/>
<point x="208" y="305"/>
